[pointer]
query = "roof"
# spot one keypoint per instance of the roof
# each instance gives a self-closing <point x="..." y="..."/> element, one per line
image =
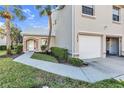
<point x="37" y="31"/>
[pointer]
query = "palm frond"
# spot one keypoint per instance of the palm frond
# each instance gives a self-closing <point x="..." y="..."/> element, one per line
<point x="22" y="17"/>
<point x="38" y="7"/>
<point x="45" y="9"/>
<point x="19" y="13"/>
<point x="1" y="12"/>
<point x="17" y="6"/>
<point x="43" y="13"/>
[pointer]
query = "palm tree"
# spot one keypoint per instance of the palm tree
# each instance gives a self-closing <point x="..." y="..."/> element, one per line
<point x="46" y="10"/>
<point x="8" y="13"/>
<point x="15" y="35"/>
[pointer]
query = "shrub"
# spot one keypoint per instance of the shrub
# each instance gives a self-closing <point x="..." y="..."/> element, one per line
<point x="76" y="61"/>
<point x="60" y="53"/>
<point x="43" y="47"/>
<point x="19" y="49"/>
<point x="13" y="47"/>
<point x="3" y="47"/>
<point x="9" y="50"/>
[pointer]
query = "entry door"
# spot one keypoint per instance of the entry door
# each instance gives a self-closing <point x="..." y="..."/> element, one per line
<point x="114" y="47"/>
<point x="89" y="46"/>
<point x="31" y="45"/>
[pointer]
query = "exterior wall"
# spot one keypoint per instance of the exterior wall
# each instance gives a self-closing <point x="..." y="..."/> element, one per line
<point x="101" y="24"/>
<point x="37" y="39"/>
<point x="62" y="25"/>
<point x="3" y="41"/>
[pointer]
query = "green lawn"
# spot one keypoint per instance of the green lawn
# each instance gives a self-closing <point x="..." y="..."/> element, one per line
<point x="45" y="57"/>
<point x="13" y="74"/>
<point x="2" y="52"/>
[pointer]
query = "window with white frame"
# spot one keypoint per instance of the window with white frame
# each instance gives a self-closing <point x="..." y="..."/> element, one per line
<point x="88" y="9"/>
<point x="116" y="14"/>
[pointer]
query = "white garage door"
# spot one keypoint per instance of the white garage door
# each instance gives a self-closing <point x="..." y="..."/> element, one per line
<point x="89" y="46"/>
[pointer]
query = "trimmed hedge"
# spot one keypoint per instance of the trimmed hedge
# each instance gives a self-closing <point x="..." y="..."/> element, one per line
<point x="3" y="47"/>
<point x="76" y="61"/>
<point x="60" y="53"/>
<point x="19" y="49"/>
<point x="14" y="47"/>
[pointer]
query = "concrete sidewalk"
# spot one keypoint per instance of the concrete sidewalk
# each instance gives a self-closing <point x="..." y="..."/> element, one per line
<point x="88" y="74"/>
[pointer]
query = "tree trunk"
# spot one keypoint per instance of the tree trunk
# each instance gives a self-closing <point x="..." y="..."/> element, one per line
<point x="8" y="38"/>
<point x="50" y="31"/>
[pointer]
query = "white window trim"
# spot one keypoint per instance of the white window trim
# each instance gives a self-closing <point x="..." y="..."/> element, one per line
<point x="89" y="16"/>
<point x="117" y="22"/>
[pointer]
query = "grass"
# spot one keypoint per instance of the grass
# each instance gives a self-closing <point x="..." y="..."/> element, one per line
<point x="13" y="52"/>
<point x="44" y="57"/>
<point x="13" y="74"/>
<point x="2" y="52"/>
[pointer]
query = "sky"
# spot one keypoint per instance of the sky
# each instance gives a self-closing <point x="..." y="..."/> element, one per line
<point x="32" y="19"/>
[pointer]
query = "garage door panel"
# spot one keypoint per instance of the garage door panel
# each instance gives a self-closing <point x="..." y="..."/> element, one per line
<point x="89" y="46"/>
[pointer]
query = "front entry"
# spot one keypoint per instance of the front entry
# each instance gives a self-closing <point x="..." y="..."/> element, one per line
<point x="112" y="46"/>
<point x="30" y="45"/>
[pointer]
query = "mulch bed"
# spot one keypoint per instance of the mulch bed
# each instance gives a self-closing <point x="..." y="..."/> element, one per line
<point x="11" y="56"/>
<point x="65" y="61"/>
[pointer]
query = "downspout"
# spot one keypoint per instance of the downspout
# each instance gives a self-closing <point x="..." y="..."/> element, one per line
<point x="73" y="30"/>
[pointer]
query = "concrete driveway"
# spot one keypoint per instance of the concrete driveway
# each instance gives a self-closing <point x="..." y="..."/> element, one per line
<point x="105" y="68"/>
<point x="98" y="69"/>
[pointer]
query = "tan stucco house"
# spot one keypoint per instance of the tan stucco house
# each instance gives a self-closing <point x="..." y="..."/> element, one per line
<point x="2" y="40"/>
<point x="2" y="37"/>
<point x="34" y="38"/>
<point x="90" y="31"/>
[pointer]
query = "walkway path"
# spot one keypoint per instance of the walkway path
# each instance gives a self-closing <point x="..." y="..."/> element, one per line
<point x="89" y="74"/>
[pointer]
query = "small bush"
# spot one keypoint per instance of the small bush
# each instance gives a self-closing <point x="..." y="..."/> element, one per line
<point x="9" y="50"/>
<point x="60" y="53"/>
<point x="76" y="61"/>
<point x="19" y="49"/>
<point x="3" y="47"/>
<point x="43" y="47"/>
<point x="13" y="47"/>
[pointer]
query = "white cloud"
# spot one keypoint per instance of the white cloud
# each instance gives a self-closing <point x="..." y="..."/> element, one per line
<point x="31" y="16"/>
<point x="26" y="11"/>
<point x="29" y="13"/>
<point x="1" y="23"/>
<point x="37" y="26"/>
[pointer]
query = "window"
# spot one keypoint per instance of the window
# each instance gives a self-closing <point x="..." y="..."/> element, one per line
<point x="88" y="9"/>
<point x="116" y="13"/>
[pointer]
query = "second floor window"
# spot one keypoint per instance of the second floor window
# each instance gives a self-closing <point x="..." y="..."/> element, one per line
<point x="88" y="9"/>
<point x="116" y="13"/>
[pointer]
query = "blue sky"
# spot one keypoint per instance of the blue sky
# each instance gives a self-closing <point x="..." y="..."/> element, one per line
<point x="33" y="19"/>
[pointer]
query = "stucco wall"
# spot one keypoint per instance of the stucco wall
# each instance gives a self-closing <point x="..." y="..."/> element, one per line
<point x="101" y="23"/>
<point x="62" y="25"/>
<point x="38" y="38"/>
<point x="3" y="41"/>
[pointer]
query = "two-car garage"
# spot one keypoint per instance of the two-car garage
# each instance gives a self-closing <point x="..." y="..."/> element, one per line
<point x="90" y="46"/>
